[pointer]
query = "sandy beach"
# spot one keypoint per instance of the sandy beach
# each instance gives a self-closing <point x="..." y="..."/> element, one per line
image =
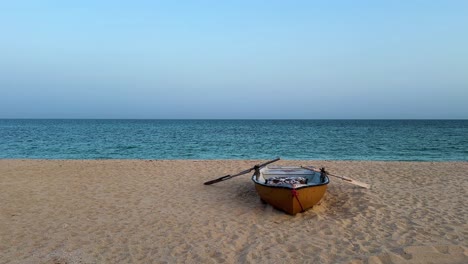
<point x="142" y="211"/>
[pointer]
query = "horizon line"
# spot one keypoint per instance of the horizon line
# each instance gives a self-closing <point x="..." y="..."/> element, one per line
<point x="253" y="119"/>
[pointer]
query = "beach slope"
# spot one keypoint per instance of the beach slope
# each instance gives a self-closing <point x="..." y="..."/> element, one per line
<point x="143" y="211"/>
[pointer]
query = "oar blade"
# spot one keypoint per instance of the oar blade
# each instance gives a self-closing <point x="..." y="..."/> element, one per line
<point x="227" y="177"/>
<point x="352" y="181"/>
<point x="361" y="184"/>
<point x="218" y="180"/>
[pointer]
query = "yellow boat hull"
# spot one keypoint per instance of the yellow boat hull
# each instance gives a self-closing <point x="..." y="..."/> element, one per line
<point x="291" y="200"/>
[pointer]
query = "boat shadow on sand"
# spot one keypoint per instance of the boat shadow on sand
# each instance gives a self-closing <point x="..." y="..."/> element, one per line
<point x="341" y="200"/>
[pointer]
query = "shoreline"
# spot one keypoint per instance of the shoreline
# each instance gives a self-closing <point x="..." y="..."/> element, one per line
<point x="240" y="160"/>
<point x="95" y="211"/>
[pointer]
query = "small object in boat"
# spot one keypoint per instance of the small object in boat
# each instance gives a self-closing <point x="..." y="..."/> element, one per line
<point x="286" y="180"/>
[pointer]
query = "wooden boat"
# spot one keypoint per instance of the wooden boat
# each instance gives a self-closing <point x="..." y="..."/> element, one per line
<point x="290" y="189"/>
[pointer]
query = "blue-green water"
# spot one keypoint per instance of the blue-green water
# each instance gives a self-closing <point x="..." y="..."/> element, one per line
<point x="421" y="140"/>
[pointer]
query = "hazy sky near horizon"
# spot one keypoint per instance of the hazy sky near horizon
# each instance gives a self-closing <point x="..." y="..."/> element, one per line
<point x="242" y="59"/>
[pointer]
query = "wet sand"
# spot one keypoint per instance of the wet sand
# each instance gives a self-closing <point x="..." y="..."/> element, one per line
<point x="139" y="211"/>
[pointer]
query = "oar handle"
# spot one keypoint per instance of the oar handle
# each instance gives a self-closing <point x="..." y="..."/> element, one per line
<point x="362" y="184"/>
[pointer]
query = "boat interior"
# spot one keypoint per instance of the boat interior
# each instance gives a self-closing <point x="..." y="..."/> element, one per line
<point x="267" y="174"/>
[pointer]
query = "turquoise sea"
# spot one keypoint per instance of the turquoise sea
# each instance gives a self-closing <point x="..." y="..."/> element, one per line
<point x="411" y="140"/>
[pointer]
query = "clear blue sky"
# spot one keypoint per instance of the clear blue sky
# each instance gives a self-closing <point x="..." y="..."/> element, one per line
<point x="243" y="59"/>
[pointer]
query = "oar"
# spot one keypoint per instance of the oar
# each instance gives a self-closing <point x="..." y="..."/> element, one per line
<point x="347" y="179"/>
<point x="227" y="177"/>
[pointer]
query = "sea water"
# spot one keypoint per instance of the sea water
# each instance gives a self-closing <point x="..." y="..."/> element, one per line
<point x="409" y="140"/>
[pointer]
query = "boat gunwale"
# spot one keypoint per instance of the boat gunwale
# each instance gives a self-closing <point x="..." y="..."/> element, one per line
<point x="292" y="187"/>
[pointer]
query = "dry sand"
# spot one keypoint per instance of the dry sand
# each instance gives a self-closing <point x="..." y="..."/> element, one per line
<point x="117" y="211"/>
